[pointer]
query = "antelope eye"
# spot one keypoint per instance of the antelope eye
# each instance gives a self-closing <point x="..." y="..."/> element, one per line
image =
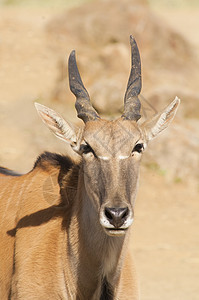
<point x="85" y="149"/>
<point x="138" y="148"/>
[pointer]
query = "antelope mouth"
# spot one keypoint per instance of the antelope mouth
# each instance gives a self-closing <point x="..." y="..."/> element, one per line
<point x="115" y="231"/>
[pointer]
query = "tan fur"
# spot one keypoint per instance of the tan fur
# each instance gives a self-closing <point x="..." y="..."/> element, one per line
<point x="43" y="251"/>
<point x="20" y="197"/>
<point x="65" y="226"/>
<point x="54" y="242"/>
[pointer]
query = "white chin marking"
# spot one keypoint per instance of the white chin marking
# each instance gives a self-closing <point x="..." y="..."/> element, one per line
<point x="115" y="232"/>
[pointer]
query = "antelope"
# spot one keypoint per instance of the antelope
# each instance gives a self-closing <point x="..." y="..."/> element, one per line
<point x="65" y="225"/>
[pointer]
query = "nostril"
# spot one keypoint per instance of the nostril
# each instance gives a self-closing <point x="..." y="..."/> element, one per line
<point x="116" y="215"/>
<point x="108" y="213"/>
<point x="125" y="213"/>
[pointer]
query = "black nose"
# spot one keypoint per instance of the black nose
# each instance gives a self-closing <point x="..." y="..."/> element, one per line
<point x="116" y="216"/>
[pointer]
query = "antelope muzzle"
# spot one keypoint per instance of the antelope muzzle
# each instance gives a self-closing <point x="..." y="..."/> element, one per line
<point x="116" y="220"/>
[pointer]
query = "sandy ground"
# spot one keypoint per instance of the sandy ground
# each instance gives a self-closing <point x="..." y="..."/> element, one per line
<point x="165" y="235"/>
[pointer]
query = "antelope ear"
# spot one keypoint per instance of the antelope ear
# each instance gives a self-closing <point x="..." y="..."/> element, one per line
<point x="57" y="124"/>
<point x="161" y="120"/>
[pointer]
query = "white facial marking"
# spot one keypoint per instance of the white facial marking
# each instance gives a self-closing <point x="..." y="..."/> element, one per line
<point x="104" y="222"/>
<point x="104" y="157"/>
<point x="117" y="157"/>
<point x="122" y="157"/>
<point x="127" y="223"/>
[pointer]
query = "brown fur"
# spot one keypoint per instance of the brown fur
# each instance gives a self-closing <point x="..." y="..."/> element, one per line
<point x="43" y="255"/>
<point x="65" y="226"/>
<point x="56" y="239"/>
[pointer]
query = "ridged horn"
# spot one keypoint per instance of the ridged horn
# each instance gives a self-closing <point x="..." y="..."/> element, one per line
<point x="83" y="105"/>
<point x="132" y="103"/>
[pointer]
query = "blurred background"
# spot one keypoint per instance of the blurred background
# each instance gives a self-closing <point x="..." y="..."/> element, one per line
<point x="36" y="38"/>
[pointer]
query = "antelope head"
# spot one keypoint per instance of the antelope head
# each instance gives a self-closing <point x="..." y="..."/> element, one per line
<point x="110" y="150"/>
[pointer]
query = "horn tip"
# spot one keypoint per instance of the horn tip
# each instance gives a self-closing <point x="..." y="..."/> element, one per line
<point x="72" y="54"/>
<point x="132" y="39"/>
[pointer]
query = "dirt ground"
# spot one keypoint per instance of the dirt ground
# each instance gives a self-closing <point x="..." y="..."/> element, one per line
<point x="165" y="237"/>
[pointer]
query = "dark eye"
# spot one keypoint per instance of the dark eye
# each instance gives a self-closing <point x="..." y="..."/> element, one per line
<point x="86" y="149"/>
<point x="138" y="148"/>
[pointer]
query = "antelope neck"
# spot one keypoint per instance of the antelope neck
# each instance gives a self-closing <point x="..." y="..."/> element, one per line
<point x="97" y="257"/>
